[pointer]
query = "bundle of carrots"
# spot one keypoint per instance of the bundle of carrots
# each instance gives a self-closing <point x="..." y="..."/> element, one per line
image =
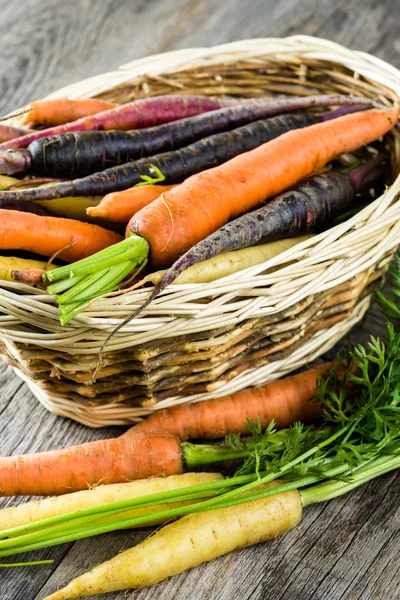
<point x="167" y="145"/>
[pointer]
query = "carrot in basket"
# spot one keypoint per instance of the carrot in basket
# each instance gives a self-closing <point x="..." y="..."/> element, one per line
<point x="120" y="206"/>
<point x="118" y="460"/>
<point x="46" y="235"/>
<point x="57" y="111"/>
<point x="78" y="154"/>
<point x="182" y="217"/>
<point x="133" y="115"/>
<point x="234" y="188"/>
<point x="175" y="166"/>
<point x="309" y="207"/>
<point x="8" y="132"/>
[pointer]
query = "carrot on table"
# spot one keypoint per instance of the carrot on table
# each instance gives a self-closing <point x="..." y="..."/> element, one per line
<point x="37" y="510"/>
<point x="285" y="401"/>
<point x="57" y="111"/>
<point x="152" y="447"/>
<point x="77" y="468"/>
<point x="46" y="235"/>
<point x="190" y="541"/>
<point x="120" y="206"/>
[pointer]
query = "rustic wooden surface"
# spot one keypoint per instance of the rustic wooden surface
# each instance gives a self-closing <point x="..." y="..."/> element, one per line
<point x="347" y="549"/>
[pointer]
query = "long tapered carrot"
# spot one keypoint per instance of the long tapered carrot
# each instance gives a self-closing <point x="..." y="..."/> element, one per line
<point x="220" y="194"/>
<point x="141" y="113"/>
<point x="76" y="154"/>
<point x="285" y="401"/>
<point x="47" y="235"/>
<point x="77" y="468"/>
<point x="120" y="206"/>
<point x="140" y="452"/>
<point x="57" y="111"/>
<point x="309" y="207"/>
<point x="175" y="166"/>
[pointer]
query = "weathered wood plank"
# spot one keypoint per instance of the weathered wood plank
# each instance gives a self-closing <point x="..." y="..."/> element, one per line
<point x="345" y="550"/>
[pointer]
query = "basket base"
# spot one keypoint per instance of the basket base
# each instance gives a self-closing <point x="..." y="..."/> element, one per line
<point x="118" y="414"/>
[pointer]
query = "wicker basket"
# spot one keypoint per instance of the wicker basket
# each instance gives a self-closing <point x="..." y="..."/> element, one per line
<point x="200" y="341"/>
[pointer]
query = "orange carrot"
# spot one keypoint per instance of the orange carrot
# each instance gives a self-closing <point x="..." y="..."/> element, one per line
<point x="152" y="447"/>
<point x="58" y="111"/>
<point x="286" y="401"/>
<point x="78" y="468"/>
<point x="204" y="202"/>
<point x="48" y="235"/>
<point x="120" y="206"/>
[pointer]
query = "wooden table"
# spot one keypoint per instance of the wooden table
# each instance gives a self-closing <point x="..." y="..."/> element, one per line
<point x="347" y="549"/>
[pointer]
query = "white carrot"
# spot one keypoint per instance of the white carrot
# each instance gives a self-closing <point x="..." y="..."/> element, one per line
<point x="228" y="262"/>
<point x="192" y="540"/>
<point x="31" y="512"/>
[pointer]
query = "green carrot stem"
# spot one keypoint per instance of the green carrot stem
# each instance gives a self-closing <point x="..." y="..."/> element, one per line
<point x="94" y="260"/>
<point x="61" y="286"/>
<point x="285" y="469"/>
<point x="86" y="283"/>
<point x="92" y="286"/>
<point x="202" y="454"/>
<point x="32" y="563"/>
<point x="331" y="489"/>
<point x="135" y="244"/>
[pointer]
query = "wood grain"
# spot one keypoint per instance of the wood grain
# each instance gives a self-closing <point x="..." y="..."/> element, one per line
<point x="344" y="550"/>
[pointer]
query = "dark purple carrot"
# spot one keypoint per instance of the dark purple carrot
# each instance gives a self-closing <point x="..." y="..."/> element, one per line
<point x="82" y="153"/>
<point x="23" y="206"/>
<point x="178" y="165"/>
<point x="134" y="115"/>
<point x="8" y="132"/>
<point x="309" y="208"/>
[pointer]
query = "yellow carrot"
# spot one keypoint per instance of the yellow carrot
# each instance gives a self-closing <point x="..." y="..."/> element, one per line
<point x="8" y="264"/>
<point x="6" y="182"/>
<point x="192" y="540"/>
<point x="36" y="510"/>
<point x="72" y="208"/>
<point x="228" y="262"/>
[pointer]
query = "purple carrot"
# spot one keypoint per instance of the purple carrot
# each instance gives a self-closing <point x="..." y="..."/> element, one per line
<point x="178" y="165"/>
<point x="310" y="207"/>
<point x="78" y="154"/>
<point x="23" y="206"/>
<point x="134" y="115"/>
<point x="7" y="132"/>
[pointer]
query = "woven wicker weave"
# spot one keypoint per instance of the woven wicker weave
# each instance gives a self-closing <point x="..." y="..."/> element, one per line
<point x="200" y="341"/>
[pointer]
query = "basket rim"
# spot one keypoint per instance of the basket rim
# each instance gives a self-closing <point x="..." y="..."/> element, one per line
<point x="251" y="48"/>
